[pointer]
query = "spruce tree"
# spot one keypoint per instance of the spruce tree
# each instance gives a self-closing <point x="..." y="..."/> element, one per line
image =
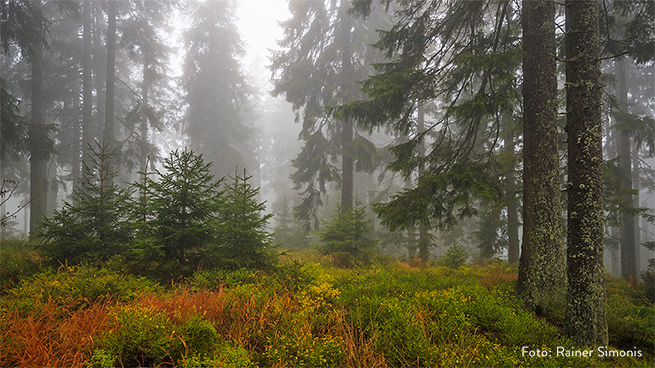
<point x="346" y="236"/>
<point x="94" y="226"/>
<point x="541" y="265"/>
<point x="586" y="322"/>
<point x="176" y="215"/>
<point x="243" y="238"/>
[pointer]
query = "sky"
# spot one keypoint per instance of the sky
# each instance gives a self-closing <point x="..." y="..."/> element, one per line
<point x="258" y="24"/>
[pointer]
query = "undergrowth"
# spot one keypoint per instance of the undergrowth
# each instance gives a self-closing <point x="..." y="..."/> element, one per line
<point x="304" y="314"/>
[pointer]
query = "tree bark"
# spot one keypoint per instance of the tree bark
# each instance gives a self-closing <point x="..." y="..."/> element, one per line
<point x="586" y="322"/>
<point x="541" y="264"/>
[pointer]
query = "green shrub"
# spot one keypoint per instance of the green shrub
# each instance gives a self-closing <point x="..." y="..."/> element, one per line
<point x="305" y="351"/>
<point x="143" y="336"/>
<point x="455" y="256"/>
<point x="216" y="278"/>
<point x="18" y="260"/>
<point x="629" y="325"/>
<point x="346" y="237"/>
<point x="78" y="286"/>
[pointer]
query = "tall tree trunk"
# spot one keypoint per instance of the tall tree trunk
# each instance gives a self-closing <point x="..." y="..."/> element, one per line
<point x="541" y="265"/>
<point x="99" y="66"/>
<point x="88" y="126"/>
<point x="110" y="129"/>
<point x="627" y="230"/>
<point x="38" y="137"/>
<point x="145" y="112"/>
<point x="635" y="218"/>
<point x="512" y="211"/>
<point x="586" y="321"/>
<point x="423" y="234"/>
<point x="347" y="73"/>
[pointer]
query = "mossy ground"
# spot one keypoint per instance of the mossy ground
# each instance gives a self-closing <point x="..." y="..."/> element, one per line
<point x="307" y="313"/>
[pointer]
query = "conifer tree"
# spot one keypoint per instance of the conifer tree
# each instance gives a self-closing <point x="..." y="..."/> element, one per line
<point x="176" y="215"/>
<point x="243" y="238"/>
<point x="541" y="265"/>
<point x="94" y="226"/>
<point x="325" y="50"/>
<point x="346" y="236"/>
<point x="216" y="90"/>
<point x="586" y="321"/>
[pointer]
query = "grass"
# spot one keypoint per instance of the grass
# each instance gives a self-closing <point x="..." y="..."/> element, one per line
<point x="306" y="314"/>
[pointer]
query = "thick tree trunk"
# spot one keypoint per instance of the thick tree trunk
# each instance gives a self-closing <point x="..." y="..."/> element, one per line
<point x="586" y="322"/>
<point x="38" y="136"/>
<point x="541" y="265"/>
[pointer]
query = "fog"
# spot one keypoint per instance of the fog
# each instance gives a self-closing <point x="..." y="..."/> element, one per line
<point x="253" y="85"/>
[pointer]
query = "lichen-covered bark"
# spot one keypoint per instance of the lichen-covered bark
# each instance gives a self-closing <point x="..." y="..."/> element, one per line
<point x="586" y="322"/>
<point x="541" y="264"/>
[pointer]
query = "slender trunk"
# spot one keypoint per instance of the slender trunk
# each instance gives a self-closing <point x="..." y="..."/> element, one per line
<point x="541" y="264"/>
<point x="627" y="230"/>
<point x="347" y="176"/>
<point x="586" y="321"/>
<point x="99" y="64"/>
<point x="38" y="137"/>
<point x="635" y="203"/>
<point x="76" y="159"/>
<point x="512" y="211"/>
<point x="88" y="129"/>
<point x="145" y="113"/>
<point x="423" y="234"/>
<point x="110" y="129"/>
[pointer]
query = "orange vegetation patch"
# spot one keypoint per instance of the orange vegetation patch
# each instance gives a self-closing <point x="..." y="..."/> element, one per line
<point x="52" y="337"/>
<point x="497" y="275"/>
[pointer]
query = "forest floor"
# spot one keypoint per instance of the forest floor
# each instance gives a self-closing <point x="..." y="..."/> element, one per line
<point x="306" y="313"/>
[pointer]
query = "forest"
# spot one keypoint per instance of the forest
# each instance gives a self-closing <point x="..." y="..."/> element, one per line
<point x="365" y="183"/>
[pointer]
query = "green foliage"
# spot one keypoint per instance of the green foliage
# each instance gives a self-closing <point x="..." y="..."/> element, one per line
<point x="289" y="231"/>
<point x="216" y="278"/>
<point x="76" y="287"/>
<point x="346" y="236"/>
<point x="440" y="200"/>
<point x="455" y="256"/>
<point x="306" y="351"/>
<point x="93" y="227"/>
<point x="143" y="337"/>
<point x="243" y="240"/>
<point x="392" y="315"/>
<point x="18" y="260"/>
<point x="630" y="321"/>
<point x="176" y="216"/>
